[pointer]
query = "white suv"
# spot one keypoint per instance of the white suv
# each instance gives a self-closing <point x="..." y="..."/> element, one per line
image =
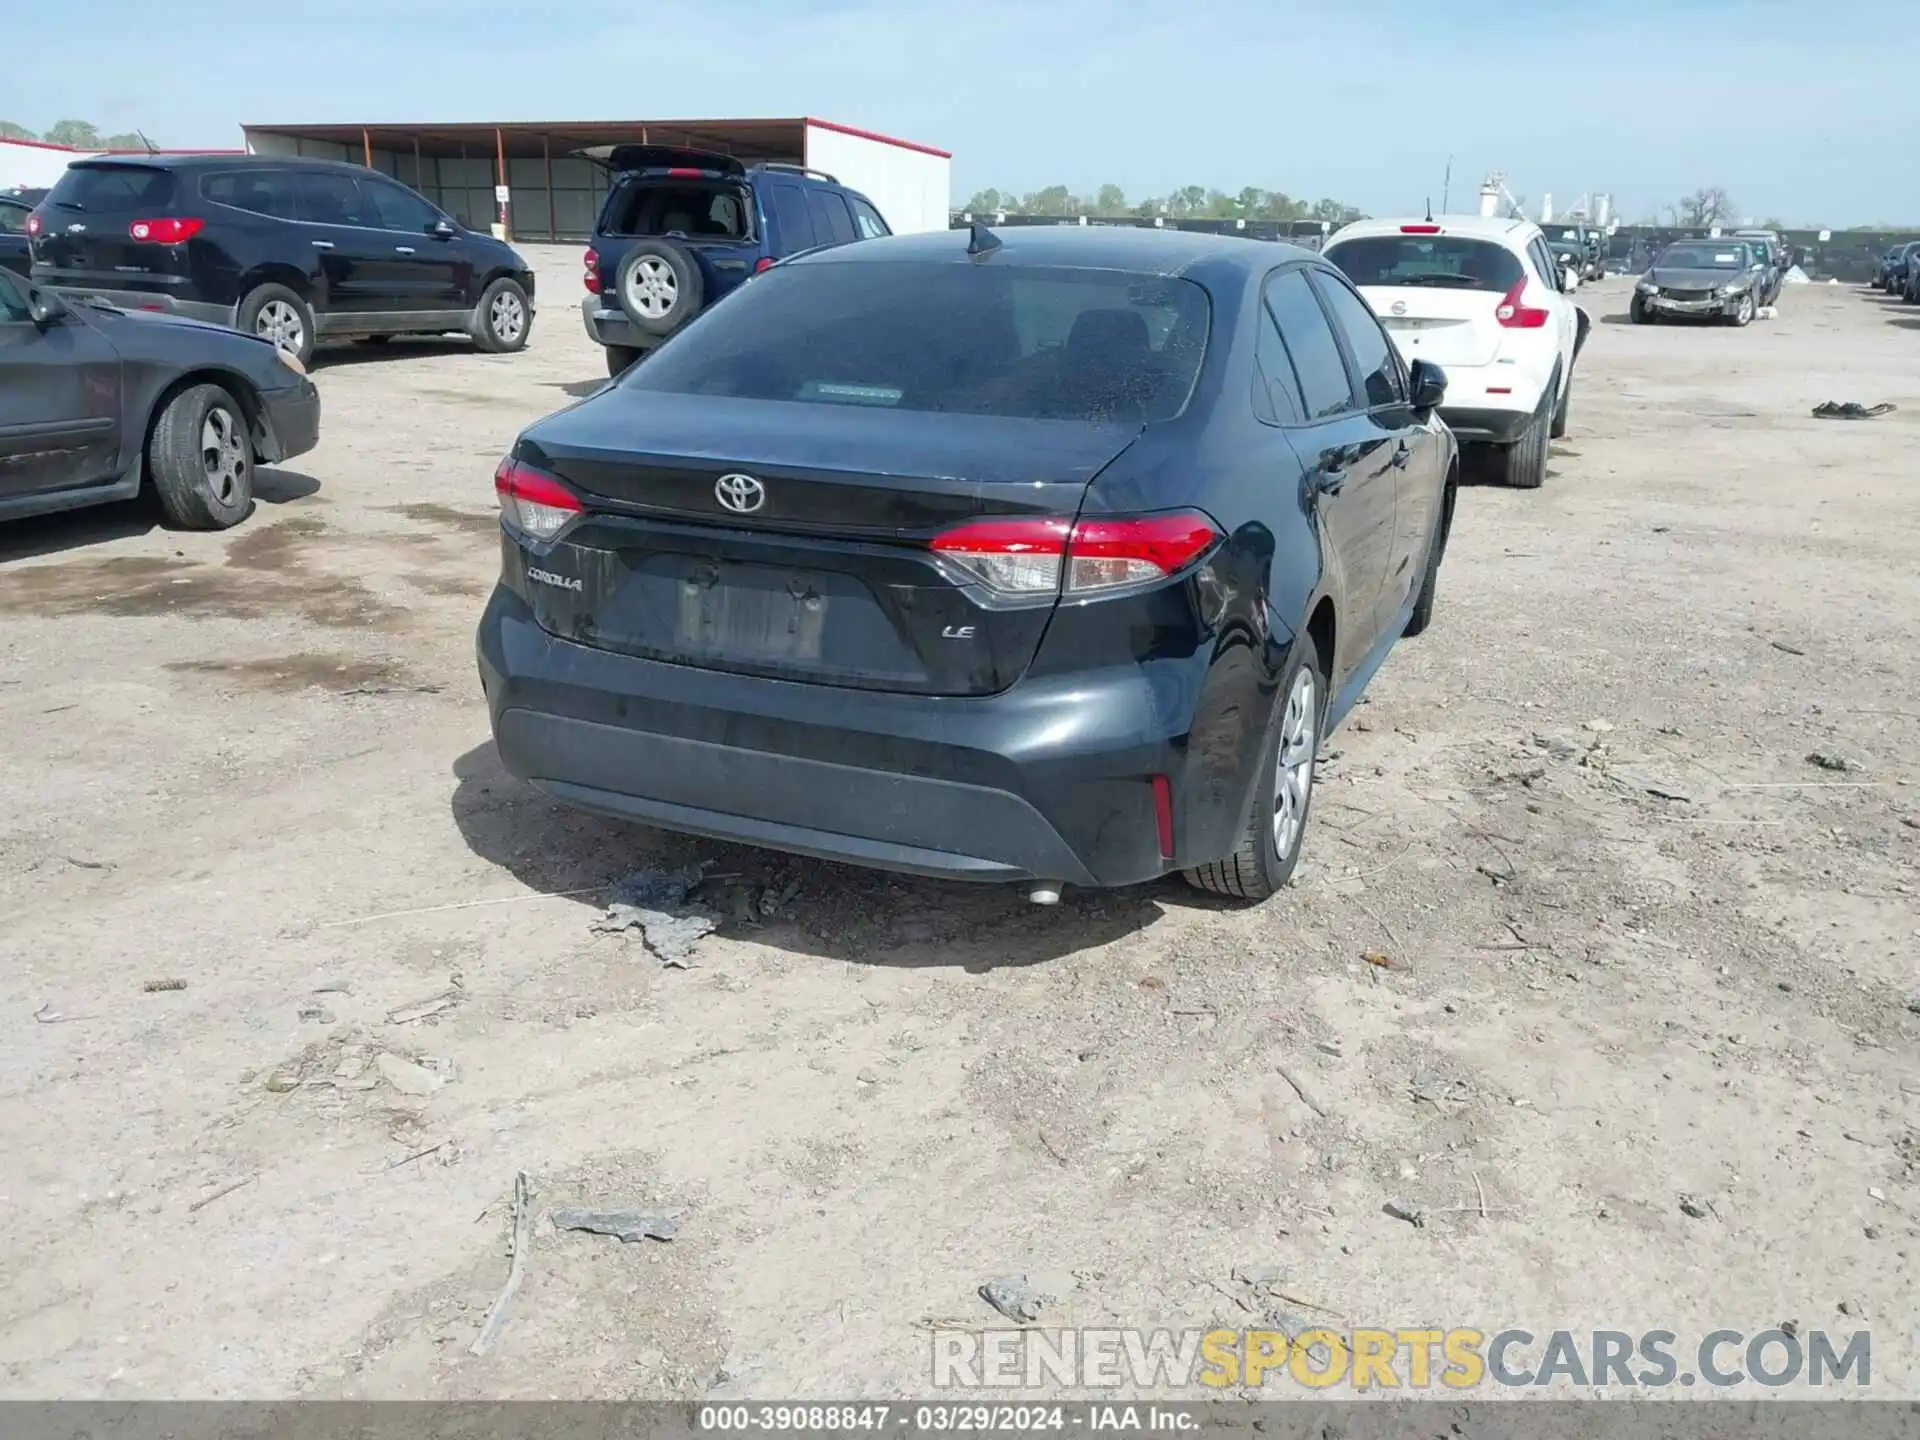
<point x="1484" y="299"/>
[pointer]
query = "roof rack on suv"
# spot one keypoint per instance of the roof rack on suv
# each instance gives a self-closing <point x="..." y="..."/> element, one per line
<point x="797" y="170"/>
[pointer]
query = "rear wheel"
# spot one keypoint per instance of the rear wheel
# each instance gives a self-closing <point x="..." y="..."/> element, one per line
<point x="273" y="312"/>
<point x="1523" y="464"/>
<point x="620" y="357"/>
<point x="200" y="455"/>
<point x="1270" y="849"/>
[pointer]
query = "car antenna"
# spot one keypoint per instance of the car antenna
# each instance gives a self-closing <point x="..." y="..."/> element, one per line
<point x="1429" y="209"/>
<point x="982" y="241"/>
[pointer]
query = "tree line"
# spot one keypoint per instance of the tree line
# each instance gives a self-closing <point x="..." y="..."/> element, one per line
<point x="1191" y="202"/>
<point x="80" y="134"/>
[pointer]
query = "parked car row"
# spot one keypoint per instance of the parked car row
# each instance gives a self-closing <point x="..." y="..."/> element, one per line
<point x="1579" y="247"/>
<point x="1899" y="272"/>
<point x="1047" y="557"/>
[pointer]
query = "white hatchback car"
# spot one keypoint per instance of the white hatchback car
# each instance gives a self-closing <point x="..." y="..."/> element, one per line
<point x="1484" y="299"/>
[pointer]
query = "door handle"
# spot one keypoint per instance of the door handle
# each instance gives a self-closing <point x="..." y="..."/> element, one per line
<point x="1330" y="482"/>
<point x="323" y="244"/>
<point x="403" y="249"/>
<point x="1402" y="456"/>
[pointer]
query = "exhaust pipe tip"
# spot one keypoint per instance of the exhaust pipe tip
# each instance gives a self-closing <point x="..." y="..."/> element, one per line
<point x="1044" y="895"/>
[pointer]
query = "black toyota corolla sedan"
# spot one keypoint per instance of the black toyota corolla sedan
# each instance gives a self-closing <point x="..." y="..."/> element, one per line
<point x="1047" y="556"/>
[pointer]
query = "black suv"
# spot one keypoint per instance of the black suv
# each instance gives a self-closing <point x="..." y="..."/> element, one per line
<point x="287" y="249"/>
<point x="681" y="228"/>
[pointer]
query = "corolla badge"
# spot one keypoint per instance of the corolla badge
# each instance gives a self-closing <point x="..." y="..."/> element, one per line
<point x="547" y="577"/>
<point x="741" y="494"/>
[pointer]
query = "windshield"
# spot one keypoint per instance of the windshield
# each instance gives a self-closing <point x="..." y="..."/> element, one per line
<point x="1031" y="343"/>
<point x="1448" y="261"/>
<point x="1704" y="257"/>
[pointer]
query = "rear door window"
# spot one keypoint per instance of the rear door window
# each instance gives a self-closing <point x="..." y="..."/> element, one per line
<point x="1277" y="389"/>
<point x="832" y="225"/>
<point x="1010" y="341"/>
<point x="1453" y="262"/>
<point x="400" y="209"/>
<point x="261" y="192"/>
<point x="790" y="215"/>
<point x="1325" y="388"/>
<point x="1373" y="355"/>
<point x="867" y="220"/>
<point x="327" y="197"/>
<point x="113" y="188"/>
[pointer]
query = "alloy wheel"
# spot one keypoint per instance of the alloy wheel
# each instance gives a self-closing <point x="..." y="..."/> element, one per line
<point x="280" y="322"/>
<point x="1293" y="767"/>
<point x="223" y="455"/>
<point x="653" y="287"/>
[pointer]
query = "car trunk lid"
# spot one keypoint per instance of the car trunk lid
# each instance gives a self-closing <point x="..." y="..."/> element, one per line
<point x="87" y="225"/>
<point x="793" y="540"/>
<point x="1448" y="327"/>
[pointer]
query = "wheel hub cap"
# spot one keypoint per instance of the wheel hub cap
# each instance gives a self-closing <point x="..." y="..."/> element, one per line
<point x="509" y="317"/>
<point x="653" y="288"/>
<point x="223" y="455"/>
<point x="1293" y="768"/>
<point x="280" y="323"/>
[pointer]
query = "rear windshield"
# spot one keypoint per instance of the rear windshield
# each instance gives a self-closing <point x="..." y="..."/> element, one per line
<point x="1031" y="343"/>
<point x="713" y="210"/>
<point x="112" y="187"/>
<point x="1440" y="260"/>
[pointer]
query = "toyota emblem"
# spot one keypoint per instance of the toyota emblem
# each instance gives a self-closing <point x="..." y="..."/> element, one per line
<point x="741" y="494"/>
<point x="1399" y="307"/>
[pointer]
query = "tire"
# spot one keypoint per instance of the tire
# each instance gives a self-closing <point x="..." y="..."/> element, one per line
<point x="1743" y="313"/>
<point x="273" y="312"/>
<point x="1558" y="430"/>
<point x="620" y="358"/>
<point x="503" y="319"/>
<point x="659" y="286"/>
<point x="1259" y="867"/>
<point x="1637" y="311"/>
<point x="1523" y="464"/>
<point x="200" y="456"/>
<point x="1422" y="615"/>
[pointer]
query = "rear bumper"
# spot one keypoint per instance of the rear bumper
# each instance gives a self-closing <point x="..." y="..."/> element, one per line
<point x="153" y="300"/>
<point x="291" y="420"/>
<point x="607" y="324"/>
<point x="1484" y="426"/>
<point x="1051" y="779"/>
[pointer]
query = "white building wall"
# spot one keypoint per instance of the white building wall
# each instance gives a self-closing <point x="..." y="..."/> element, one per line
<point x="35" y="166"/>
<point x="909" y="186"/>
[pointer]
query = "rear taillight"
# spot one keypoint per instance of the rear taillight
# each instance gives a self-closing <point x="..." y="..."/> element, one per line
<point x="168" y="230"/>
<point x="34" y="224"/>
<point x="592" y="278"/>
<point x="532" y="501"/>
<point x="1513" y="315"/>
<point x="1050" y="556"/>
<point x="765" y="262"/>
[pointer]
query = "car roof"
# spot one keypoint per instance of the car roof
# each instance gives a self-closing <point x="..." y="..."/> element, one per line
<point x="1500" y="229"/>
<point x="220" y="162"/>
<point x="1093" y="247"/>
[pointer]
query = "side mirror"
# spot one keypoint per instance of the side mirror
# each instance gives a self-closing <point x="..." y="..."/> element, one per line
<point x="44" y="308"/>
<point x="442" y="229"/>
<point x="1427" y="384"/>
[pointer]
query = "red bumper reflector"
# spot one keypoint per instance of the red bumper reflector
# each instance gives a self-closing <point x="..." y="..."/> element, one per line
<point x="1163" y="814"/>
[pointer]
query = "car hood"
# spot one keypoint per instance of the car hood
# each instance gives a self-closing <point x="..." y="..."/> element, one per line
<point x="151" y="337"/>
<point x="1688" y="279"/>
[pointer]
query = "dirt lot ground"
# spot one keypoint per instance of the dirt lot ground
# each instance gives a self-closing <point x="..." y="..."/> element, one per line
<point x="1642" y="948"/>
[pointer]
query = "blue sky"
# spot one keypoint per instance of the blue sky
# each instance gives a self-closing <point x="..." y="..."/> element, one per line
<point x="1314" y="97"/>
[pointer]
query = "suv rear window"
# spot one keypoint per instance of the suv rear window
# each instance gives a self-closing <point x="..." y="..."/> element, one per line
<point x="112" y="187"/>
<point x="1030" y="343"/>
<point x="1449" y="260"/>
<point x="708" y="211"/>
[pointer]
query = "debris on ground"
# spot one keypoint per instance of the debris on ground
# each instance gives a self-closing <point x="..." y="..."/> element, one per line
<point x="47" y="1015"/>
<point x="1379" y="961"/>
<point x="1015" y="1299"/>
<point x="407" y="1077"/>
<point x="160" y="987"/>
<point x="655" y="903"/>
<point x="1694" y="1209"/>
<point x="1830" y="762"/>
<point x="424" y="1009"/>
<point x="624" y="1225"/>
<point x="1307" y="1096"/>
<point x="318" y="1013"/>
<point x="1788" y="649"/>
<point x="1259" y="1277"/>
<point x="281" y="1081"/>
<point x="519" y="1244"/>
<point x="1850" y="410"/>
<point x="1851" y="1308"/>
<point x="221" y="1193"/>
<point x="1413" y="1215"/>
<point x="333" y="987"/>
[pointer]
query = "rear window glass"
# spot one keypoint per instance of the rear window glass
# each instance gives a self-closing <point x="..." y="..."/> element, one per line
<point x="112" y="187"/>
<point x="1030" y="343"/>
<point x="1440" y="260"/>
<point x="698" y="211"/>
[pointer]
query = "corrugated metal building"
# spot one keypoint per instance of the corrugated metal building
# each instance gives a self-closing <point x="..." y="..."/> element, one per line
<point x="552" y="193"/>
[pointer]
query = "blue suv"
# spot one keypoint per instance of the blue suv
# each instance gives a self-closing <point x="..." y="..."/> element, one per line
<point x="681" y="228"/>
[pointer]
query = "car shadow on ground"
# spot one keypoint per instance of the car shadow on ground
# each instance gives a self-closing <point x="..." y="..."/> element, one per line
<point x="836" y="912"/>
<point x="333" y="355"/>
<point x="1623" y="318"/>
<point x="578" y="389"/>
<point x="1905" y="322"/>
<point x="98" y="524"/>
